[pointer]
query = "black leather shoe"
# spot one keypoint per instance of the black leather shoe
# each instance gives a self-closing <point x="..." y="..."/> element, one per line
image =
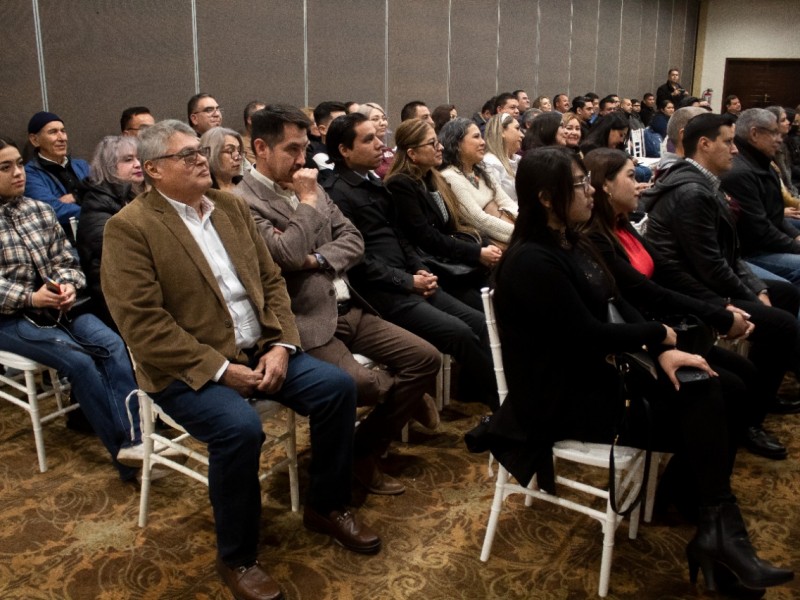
<point x="785" y="406"/>
<point x="758" y="441"/>
<point x="249" y="583"/>
<point x="344" y="528"/>
<point x="369" y="474"/>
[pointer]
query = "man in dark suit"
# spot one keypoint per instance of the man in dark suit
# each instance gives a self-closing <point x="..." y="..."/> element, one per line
<point x="392" y="276"/>
<point x="314" y="245"/>
<point x="205" y="312"/>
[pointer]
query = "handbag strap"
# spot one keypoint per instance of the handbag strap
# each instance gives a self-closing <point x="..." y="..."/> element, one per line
<point x="624" y="368"/>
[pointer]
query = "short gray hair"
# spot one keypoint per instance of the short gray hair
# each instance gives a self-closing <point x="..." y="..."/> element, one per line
<point x="214" y="138"/>
<point x="679" y="119"/>
<point x="754" y="117"/>
<point x="107" y="154"/>
<point x="154" y="140"/>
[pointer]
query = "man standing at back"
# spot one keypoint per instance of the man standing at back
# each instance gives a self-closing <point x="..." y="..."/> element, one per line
<point x="314" y="245"/>
<point x="672" y="90"/>
<point x="205" y="312"/>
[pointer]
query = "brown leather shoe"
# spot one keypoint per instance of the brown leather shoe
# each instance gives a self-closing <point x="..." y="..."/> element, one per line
<point x="249" y="583"/>
<point x="345" y="528"/>
<point x="426" y="413"/>
<point x="369" y="474"/>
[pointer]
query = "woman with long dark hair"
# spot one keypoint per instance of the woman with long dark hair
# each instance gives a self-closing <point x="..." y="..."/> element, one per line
<point x="546" y="130"/>
<point x="552" y="301"/>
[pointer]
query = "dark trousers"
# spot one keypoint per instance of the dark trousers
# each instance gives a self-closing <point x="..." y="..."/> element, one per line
<point x="220" y="417"/>
<point x="456" y="329"/>
<point x="411" y="366"/>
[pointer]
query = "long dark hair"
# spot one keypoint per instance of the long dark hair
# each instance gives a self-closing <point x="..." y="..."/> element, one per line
<point x="604" y="165"/>
<point x="598" y="136"/>
<point x="542" y="132"/>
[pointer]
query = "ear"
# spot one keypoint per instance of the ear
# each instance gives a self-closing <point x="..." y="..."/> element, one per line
<point x="33" y="138"/>
<point x="545" y="201"/>
<point x="151" y="168"/>
<point x="323" y="129"/>
<point x="605" y="187"/>
<point x="260" y="146"/>
<point x="411" y="153"/>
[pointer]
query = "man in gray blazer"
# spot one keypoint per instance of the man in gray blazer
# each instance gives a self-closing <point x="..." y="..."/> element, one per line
<point x="314" y="244"/>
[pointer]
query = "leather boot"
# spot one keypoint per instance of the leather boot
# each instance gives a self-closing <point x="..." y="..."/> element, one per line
<point x="369" y="474"/>
<point x="722" y="540"/>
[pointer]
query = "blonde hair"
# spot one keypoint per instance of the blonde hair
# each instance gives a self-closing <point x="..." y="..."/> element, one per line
<point x="494" y="139"/>
<point x="410" y="134"/>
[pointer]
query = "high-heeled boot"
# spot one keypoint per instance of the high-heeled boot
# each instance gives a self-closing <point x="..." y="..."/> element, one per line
<point x="722" y="540"/>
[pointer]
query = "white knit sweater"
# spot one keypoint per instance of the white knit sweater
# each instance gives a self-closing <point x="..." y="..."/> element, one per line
<point x="473" y="200"/>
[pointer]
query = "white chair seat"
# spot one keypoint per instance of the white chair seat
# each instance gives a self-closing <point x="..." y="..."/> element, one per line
<point x="25" y="382"/>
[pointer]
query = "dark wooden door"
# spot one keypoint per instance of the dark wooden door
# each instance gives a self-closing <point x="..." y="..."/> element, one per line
<point x="763" y="82"/>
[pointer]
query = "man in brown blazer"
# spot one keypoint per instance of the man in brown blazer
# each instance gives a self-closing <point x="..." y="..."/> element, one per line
<point x="314" y="244"/>
<point x="205" y="312"/>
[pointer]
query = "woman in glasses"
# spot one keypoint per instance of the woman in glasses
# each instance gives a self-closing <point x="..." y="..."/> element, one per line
<point x="39" y="281"/>
<point x="225" y="158"/>
<point x="376" y="114"/>
<point x="552" y="301"/>
<point x="429" y="214"/>
<point x="115" y="179"/>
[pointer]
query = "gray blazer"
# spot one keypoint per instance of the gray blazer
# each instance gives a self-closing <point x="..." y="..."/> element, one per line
<point x="291" y="235"/>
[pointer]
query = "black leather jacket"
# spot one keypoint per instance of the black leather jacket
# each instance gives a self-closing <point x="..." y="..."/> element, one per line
<point x="692" y="233"/>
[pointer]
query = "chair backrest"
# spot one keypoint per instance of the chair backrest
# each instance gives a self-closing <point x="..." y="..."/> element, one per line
<point x="487" y="296"/>
<point x="636" y="143"/>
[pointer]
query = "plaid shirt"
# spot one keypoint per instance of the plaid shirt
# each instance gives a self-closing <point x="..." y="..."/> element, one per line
<point x="32" y="246"/>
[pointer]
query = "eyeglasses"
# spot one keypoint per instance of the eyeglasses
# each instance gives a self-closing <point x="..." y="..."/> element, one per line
<point x="434" y="143"/>
<point x="234" y="152"/>
<point x="772" y="132"/>
<point x="189" y="157"/>
<point x="209" y="110"/>
<point x="139" y="128"/>
<point x="585" y="182"/>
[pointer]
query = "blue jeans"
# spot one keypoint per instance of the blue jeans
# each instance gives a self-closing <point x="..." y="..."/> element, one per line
<point x="786" y="266"/>
<point x="763" y="274"/>
<point x="99" y="384"/>
<point x="220" y="417"/>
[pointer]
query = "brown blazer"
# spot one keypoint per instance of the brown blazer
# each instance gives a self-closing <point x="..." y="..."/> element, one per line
<point x="291" y="235"/>
<point x="165" y="300"/>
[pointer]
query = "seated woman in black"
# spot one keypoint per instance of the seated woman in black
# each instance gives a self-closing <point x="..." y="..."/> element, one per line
<point x="115" y="179"/>
<point x="429" y="213"/>
<point x="627" y="256"/>
<point x="551" y="304"/>
<point x="546" y="130"/>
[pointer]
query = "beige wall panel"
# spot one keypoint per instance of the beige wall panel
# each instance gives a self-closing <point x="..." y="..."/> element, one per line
<point x="473" y="55"/>
<point x="346" y="51"/>
<point x="584" y="47"/>
<point x="663" y="42"/>
<point x="417" y="54"/>
<point x="102" y="56"/>
<point x="20" y="91"/>
<point x="518" y="46"/>
<point x="608" y="50"/>
<point x="554" y="32"/>
<point x="629" y="58"/>
<point x="647" y="50"/>
<point x="263" y="60"/>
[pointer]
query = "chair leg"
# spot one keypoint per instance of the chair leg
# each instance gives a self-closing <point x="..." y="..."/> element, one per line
<point x="494" y="515"/>
<point x="446" y="363"/>
<point x="291" y="451"/>
<point x="404" y="434"/>
<point x="652" y="483"/>
<point x="148" y="427"/>
<point x="440" y="387"/>
<point x="609" y="529"/>
<point x="33" y="410"/>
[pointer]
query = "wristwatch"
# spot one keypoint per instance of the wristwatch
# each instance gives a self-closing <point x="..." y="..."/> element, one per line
<point x="323" y="264"/>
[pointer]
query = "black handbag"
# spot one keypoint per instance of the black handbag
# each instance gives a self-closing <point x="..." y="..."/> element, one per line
<point x="451" y="270"/>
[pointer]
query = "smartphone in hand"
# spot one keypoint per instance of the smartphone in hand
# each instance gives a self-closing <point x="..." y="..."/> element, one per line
<point x="52" y="285"/>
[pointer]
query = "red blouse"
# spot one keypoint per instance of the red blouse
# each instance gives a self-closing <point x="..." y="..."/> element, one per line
<point x="640" y="258"/>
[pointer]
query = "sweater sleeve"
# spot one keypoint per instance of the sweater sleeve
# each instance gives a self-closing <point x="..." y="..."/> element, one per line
<point x="472" y="203"/>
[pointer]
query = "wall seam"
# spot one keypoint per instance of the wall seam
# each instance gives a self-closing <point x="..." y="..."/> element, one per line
<point x="386" y="56"/>
<point x="569" y="54"/>
<point x="305" y="52"/>
<point x="655" y="46"/>
<point x="37" y="27"/>
<point x="538" y="55"/>
<point x="619" y="50"/>
<point x="596" y="47"/>
<point x="449" y="44"/>
<point x="497" y="54"/>
<point x="195" y="44"/>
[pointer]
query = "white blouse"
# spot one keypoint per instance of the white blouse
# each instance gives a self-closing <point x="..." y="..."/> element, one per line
<point x="496" y="168"/>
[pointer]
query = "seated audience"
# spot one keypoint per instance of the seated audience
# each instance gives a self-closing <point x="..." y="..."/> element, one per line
<point x="732" y="105"/>
<point x="551" y="304"/>
<point x="375" y="114"/>
<point x="203" y="113"/>
<point x="542" y="103"/>
<point x="416" y="109"/>
<point x="626" y="105"/>
<point x="134" y="119"/>
<point x="546" y="130"/>
<point x="392" y="276"/>
<point x="52" y="176"/>
<point x="226" y="152"/>
<point x="583" y="108"/>
<point x="317" y="152"/>
<point x="249" y="109"/>
<point x="205" y="312"/>
<point x="768" y="239"/>
<point x="484" y="204"/>
<point x="692" y="232"/>
<point x="503" y="142"/>
<point x="648" y="110"/>
<point x="610" y="131"/>
<point x="115" y="179"/>
<point x="39" y="282"/>
<point x="573" y="130"/>
<point x="486" y="112"/>
<point x="561" y="103"/>
<point x="430" y="216"/>
<point x="659" y="121"/>
<point x="630" y="261"/>
<point x="522" y="99"/>
<point x="314" y="245"/>
<point x="442" y="114"/>
<point x="526" y="119"/>
<point x="607" y="105"/>
<point x="675" y="126"/>
<point x="782" y="160"/>
<point x="506" y="103"/>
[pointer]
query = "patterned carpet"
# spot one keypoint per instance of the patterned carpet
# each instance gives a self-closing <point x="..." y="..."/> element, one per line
<point x="71" y="533"/>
